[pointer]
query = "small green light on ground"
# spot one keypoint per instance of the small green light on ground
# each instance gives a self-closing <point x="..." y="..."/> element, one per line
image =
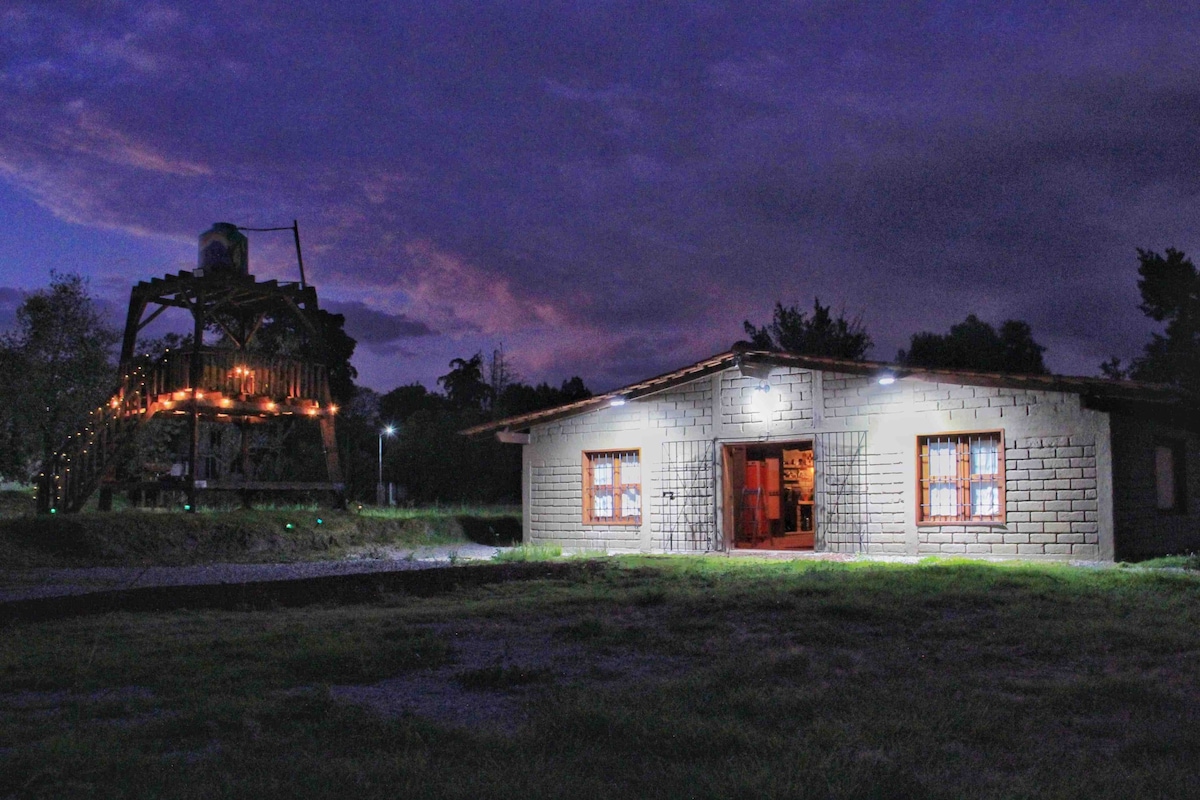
<point x="187" y="507"/>
<point x="289" y="526"/>
<point x="320" y="521"/>
<point x="54" y="511"/>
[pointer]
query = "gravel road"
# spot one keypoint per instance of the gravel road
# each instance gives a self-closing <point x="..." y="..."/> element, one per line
<point x="24" y="584"/>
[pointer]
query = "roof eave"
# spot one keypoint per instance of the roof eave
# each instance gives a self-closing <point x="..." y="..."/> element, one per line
<point x="1086" y="387"/>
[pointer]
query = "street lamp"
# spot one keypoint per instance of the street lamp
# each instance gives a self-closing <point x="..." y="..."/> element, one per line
<point x="389" y="431"/>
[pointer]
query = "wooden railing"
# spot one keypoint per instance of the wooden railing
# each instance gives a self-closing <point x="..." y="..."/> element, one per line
<point x="234" y="373"/>
<point x="75" y="471"/>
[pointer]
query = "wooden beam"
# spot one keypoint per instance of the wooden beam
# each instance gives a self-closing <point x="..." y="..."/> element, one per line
<point x="153" y="316"/>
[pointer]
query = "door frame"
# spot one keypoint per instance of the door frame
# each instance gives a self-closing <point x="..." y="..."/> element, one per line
<point x="733" y="477"/>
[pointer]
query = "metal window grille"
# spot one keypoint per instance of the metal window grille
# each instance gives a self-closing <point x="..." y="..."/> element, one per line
<point x="687" y="508"/>
<point x="843" y="513"/>
<point x="613" y="487"/>
<point x="961" y="478"/>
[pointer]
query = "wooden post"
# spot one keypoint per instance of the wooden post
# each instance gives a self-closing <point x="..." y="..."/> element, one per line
<point x="244" y="430"/>
<point x="329" y="443"/>
<point x="195" y="377"/>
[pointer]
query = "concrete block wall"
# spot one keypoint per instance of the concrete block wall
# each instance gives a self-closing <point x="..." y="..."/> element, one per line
<point x="851" y="400"/>
<point x="554" y="466"/>
<point x="682" y="413"/>
<point x="793" y="412"/>
<point x="556" y="511"/>
<point x="553" y="479"/>
<point x="621" y="419"/>
<point x="989" y="402"/>
<point x="1051" y="504"/>
<point x="888" y="484"/>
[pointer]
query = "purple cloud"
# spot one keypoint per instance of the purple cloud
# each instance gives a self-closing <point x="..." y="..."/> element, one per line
<point x="610" y="189"/>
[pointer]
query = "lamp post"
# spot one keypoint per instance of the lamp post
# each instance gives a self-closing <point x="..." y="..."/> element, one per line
<point x="389" y="431"/>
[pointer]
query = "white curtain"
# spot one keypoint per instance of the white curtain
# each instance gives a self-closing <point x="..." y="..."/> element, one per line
<point x="985" y="461"/>
<point x="943" y="460"/>
<point x="943" y="493"/>
<point x="985" y="457"/>
<point x="631" y="502"/>
<point x="985" y="499"/>
<point x="602" y="505"/>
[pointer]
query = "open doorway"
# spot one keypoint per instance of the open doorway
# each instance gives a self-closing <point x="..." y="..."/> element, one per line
<point x="769" y="496"/>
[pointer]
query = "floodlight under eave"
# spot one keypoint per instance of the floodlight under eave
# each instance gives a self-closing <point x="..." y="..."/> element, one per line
<point x="753" y="369"/>
<point x="619" y="400"/>
<point x="887" y="379"/>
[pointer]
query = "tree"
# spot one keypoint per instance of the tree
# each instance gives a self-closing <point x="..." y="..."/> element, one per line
<point x="792" y="331"/>
<point x="501" y="374"/>
<point x="464" y="383"/>
<point x="975" y="345"/>
<point x="283" y="335"/>
<point x="432" y="461"/>
<point x="1170" y="289"/>
<point x="402" y="402"/>
<point x="58" y="368"/>
<point x="521" y="398"/>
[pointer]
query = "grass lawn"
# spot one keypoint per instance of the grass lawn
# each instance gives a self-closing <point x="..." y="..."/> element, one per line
<point x="640" y="677"/>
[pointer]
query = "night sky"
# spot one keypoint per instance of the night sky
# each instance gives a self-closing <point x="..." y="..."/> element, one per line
<point x="609" y="188"/>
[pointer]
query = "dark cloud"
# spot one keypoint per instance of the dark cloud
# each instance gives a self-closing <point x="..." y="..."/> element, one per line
<point x="612" y="187"/>
<point x="378" y="330"/>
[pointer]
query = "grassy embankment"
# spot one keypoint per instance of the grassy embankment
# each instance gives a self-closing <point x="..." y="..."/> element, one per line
<point x="142" y="537"/>
<point x="636" y="678"/>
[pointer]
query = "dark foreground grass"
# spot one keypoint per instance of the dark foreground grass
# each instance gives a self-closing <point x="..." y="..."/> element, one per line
<point x="645" y="678"/>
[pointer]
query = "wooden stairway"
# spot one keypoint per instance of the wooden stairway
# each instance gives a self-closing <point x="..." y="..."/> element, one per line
<point x="75" y="470"/>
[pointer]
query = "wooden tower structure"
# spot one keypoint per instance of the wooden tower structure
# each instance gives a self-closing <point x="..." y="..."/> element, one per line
<point x="228" y="384"/>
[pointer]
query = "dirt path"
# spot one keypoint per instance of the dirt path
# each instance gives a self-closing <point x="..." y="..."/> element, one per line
<point x="33" y="583"/>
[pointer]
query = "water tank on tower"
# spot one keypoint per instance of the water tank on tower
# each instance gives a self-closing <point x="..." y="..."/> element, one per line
<point x="224" y="250"/>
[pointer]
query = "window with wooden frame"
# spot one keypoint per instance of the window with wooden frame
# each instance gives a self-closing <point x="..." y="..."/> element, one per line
<point x="1170" y="477"/>
<point x="960" y="477"/>
<point x="612" y="487"/>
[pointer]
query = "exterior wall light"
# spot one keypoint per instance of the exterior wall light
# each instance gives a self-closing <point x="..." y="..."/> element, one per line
<point x="763" y="399"/>
<point x="619" y="400"/>
<point x="887" y="379"/>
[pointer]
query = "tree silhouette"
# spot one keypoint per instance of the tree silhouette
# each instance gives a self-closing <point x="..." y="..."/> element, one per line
<point x="464" y="384"/>
<point x="1170" y="289"/>
<point x="792" y="331"/>
<point x="975" y="345"/>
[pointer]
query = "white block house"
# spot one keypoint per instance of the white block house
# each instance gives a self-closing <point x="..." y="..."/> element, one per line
<point x="773" y="451"/>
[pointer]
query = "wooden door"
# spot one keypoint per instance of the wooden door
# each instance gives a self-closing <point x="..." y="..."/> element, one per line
<point x="733" y="480"/>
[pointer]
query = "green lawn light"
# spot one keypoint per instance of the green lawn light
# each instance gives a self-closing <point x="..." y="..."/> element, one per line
<point x="187" y="506"/>
<point x="54" y="511"/>
<point x="320" y="521"/>
<point x="289" y="526"/>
